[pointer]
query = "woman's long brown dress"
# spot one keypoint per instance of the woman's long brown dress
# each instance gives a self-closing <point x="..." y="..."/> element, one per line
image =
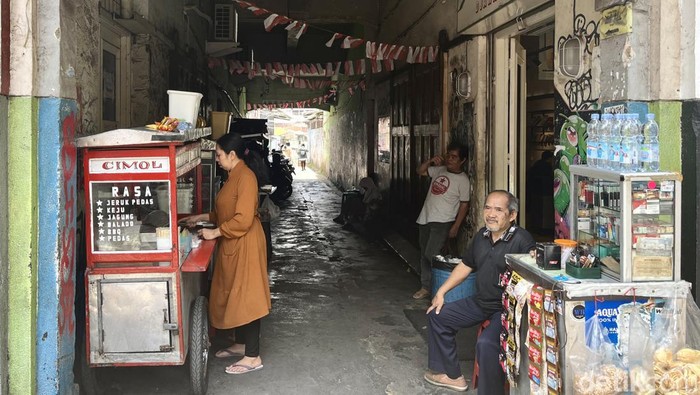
<point x="240" y="291"/>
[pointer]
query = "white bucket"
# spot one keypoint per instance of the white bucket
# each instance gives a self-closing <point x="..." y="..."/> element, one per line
<point x="184" y="105"/>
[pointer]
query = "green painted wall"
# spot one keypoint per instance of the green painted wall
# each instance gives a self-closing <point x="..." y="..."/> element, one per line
<point x="668" y="116"/>
<point x="22" y="274"/>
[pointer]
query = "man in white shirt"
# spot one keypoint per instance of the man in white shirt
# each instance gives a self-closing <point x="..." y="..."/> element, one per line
<point x="444" y="210"/>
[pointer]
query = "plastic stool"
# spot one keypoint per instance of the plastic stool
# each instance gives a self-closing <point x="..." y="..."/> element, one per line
<point x="475" y="374"/>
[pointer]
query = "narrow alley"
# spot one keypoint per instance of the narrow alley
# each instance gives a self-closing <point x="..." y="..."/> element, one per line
<point x="343" y="320"/>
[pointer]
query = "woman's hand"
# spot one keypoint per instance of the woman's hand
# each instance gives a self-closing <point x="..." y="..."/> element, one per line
<point x="209" y="234"/>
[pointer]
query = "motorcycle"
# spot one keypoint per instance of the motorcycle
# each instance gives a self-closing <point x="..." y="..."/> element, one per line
<point x="281" y="171"/>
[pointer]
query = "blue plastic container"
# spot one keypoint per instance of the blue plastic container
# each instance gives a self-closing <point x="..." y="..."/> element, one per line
<point x="465" y="289"/>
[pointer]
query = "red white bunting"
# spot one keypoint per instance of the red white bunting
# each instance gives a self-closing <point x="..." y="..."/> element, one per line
<point x="335" y="36"/>
<point x="274" y="20"/>
<point x="351" y="42"/>
<point x="277" y="70"/>
<point x="361" y="85"/>
<point x="373" y="50"/>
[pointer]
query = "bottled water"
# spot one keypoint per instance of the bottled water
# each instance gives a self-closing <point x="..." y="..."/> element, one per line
<point x="614" y="143"/>
<point x="592" y="142"/>
<point x="640" y="141"/>
<point x="603" y="141"/>
<point x="650" y="147"/>
<point x="629" y="161"/>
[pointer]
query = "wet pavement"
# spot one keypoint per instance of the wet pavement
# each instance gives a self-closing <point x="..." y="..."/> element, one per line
<point x="342" y="321"/>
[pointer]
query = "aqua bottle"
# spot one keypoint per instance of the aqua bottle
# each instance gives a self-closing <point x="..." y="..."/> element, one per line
<point x="650" y="147"/>
<point x="592" y="141"/>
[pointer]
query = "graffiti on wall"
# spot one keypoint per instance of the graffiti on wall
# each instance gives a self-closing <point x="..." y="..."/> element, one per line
<point x="575" y="50"/>
<point x="66" y="318"/>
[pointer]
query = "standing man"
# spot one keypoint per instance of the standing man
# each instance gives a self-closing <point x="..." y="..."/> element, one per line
<point x="444" y="209"/>
<point x="485" y="256"/>
<point x="302" y="153"/>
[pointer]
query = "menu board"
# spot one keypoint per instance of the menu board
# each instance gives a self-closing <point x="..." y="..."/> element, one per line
<point x="127" y="216"/>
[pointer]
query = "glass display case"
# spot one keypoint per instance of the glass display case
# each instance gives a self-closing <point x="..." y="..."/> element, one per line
<point x="631" y="221"/>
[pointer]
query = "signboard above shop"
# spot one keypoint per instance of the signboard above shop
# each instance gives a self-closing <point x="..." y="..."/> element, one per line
<point x="483" y="16"/>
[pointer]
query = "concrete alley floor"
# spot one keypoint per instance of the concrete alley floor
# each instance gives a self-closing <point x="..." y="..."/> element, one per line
<point x="342" y="321"/>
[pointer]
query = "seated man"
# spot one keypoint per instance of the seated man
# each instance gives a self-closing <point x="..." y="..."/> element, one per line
<point x="485" y="256"/>
<point x="360" y="204"/>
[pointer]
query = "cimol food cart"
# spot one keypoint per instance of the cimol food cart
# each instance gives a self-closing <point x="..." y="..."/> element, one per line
<point x="144" y="282"/>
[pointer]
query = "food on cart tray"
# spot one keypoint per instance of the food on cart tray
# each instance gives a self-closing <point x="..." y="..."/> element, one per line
<point x="167" y="124"/>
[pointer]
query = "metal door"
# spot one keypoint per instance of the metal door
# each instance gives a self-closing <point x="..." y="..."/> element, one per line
<point x="133" y="315"/>
<point x="517" y="134"/>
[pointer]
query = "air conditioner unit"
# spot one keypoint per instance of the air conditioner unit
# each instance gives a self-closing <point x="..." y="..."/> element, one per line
<point x="224" y="22"/>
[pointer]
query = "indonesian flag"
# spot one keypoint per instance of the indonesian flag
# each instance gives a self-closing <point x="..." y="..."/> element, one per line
<point x="400" y="53"/>
<point x="277" y="66"/>
<point x="423" y="58"/>
<point x="329" y="69"/>
<point x="370" y="49"/>
<point x="274" y="20"/>
<point x="312" y="69"/>
<point x="410" y="58"/>
<point x="302" y="30"/>
<point x="376" y="66"/>
<point x="360" y="66"/>
<point x="335" y="36"/>
<point x="388" y="64"/>
<point x="292" y="25"/>
<point x="268" y="69"/>
<point x="349" y="69"/>
<point x="432" y="54"/>
<point x="244" y="4"/>
<point x="257" y="11"/>
<point x="319" y="69"/>
<point x="351" y="42"/>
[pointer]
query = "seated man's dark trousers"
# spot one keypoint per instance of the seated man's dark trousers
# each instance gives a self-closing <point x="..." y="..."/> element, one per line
<point x="442" y="330"/>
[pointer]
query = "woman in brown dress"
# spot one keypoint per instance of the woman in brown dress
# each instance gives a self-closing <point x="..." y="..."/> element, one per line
<point x="240" y="291"/>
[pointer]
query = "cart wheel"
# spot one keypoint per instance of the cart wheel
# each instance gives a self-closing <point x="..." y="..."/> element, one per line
<point x="199" y="346"/>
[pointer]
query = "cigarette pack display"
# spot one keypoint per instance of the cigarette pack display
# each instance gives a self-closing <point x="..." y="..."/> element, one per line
<point x="631" y="218"/>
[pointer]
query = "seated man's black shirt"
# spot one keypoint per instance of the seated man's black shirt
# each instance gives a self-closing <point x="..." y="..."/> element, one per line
<point x="487" y="259"/>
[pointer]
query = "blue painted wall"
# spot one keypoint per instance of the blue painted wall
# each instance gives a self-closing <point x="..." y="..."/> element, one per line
<point x="57" y="193"/>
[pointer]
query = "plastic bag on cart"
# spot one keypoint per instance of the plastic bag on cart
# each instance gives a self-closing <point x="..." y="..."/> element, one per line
<point x="676" y="329"/>
<point x="637" y="346"/>
<point x="269" y="211"/>
<point x="599" y="368"/>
